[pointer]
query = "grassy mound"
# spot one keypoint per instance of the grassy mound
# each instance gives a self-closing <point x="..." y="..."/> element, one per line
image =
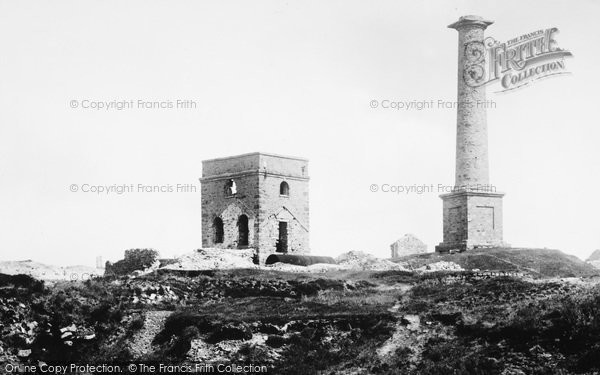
<point x="536" y="262"/>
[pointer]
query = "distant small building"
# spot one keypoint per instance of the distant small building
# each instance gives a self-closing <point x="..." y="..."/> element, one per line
<point x="408" y="245"/>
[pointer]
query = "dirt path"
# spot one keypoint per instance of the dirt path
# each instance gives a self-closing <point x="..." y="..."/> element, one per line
<point x="141" y="343"/>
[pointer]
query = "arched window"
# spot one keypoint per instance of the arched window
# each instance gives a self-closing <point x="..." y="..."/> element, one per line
<point x="218" y="228"/>
<point x="230" y="188"/>
<point x="284" y="189"/>
<point x="243" y="230"/>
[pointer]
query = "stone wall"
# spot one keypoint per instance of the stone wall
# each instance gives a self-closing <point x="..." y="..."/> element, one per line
<point x="455" y="219"/>
<point x="215" y="203"/>
<point x="485" y="221"/>
<point x="292" y="209"/>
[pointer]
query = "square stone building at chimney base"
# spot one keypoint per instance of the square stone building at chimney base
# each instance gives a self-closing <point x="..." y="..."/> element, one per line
<point x="472" y="219"/>
<point x="256" y="201"/>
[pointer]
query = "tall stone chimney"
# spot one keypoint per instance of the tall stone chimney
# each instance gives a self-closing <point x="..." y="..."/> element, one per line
<point x="473" y="211"/>
<point x="471" y="116"/>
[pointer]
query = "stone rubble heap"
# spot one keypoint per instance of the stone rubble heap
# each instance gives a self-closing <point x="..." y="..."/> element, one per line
<point x="358" y="260"/>
<point x="440" y="266"/>
<point x="214" y="259"/>
<point x="219" y="259"/>
<point x="313" y="268"/>
<point x="153" y="294"/>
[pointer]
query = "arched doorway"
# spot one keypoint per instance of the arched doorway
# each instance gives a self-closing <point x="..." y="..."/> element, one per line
<point x="243" y="231"/>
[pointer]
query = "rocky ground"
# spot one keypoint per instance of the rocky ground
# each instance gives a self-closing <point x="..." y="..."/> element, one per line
<point x="48" y="272"/>
<point x="440" y="317"/>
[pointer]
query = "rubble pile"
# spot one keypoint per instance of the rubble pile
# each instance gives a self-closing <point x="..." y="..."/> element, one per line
<point x="440" y="266"/>
<point x="17" y="330"/>
<point x="358" y="260"/>
<point x="214" y="259"/>
<point x="151" y="291"/>
<point x="219" y="259"/>
<point x="71" y="333"/>
<point x="154" y="294"/>
<point x="313" y="268"/>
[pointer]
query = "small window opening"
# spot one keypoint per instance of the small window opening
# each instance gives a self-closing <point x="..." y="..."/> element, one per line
<point x="230" y="188"/>
<point x="284" y="189"/>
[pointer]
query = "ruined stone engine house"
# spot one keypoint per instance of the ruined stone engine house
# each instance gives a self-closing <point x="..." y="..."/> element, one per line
<point x="256" y="201"/>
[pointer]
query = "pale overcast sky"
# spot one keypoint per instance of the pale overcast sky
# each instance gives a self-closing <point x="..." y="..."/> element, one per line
<point x="286" y="77"/>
